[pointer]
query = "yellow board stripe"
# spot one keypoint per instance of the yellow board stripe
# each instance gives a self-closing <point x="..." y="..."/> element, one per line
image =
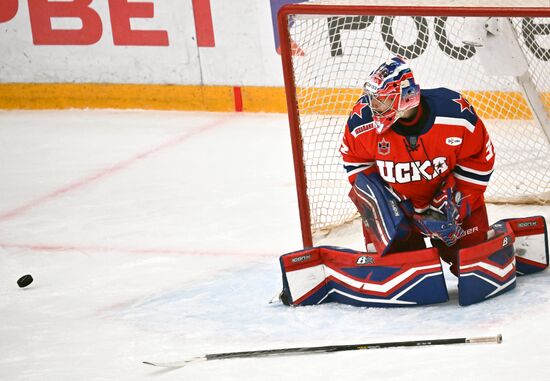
<point x="264" y="99"/>
<point x="118" y="96"/>
<point x="488" y="104"/>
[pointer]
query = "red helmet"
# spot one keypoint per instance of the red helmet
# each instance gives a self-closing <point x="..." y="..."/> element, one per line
<point x="391" y="90"/>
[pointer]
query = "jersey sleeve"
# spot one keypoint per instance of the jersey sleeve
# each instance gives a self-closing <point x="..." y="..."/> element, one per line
<point x="356" y="157"/>
<point x="475" y="163"/>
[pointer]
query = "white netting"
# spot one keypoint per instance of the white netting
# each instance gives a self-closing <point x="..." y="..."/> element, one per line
<point x="334" y="54"/>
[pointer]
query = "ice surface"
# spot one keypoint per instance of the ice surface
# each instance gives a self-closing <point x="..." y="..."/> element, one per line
<point x="156" y="236"/>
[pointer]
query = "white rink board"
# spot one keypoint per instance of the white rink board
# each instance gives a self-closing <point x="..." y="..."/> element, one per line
<point x="244" y="53"/>
<point x="103" y="62"/>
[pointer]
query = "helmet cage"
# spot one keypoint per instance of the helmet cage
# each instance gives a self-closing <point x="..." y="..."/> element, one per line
<point x="383" y="105"/>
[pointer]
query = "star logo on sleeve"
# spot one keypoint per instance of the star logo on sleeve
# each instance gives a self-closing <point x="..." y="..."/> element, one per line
<point x="358" y="108"/>
<point x="464" y="104"/>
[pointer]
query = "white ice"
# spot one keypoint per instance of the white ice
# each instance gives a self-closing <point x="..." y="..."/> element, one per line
<point x="156" y="236"/>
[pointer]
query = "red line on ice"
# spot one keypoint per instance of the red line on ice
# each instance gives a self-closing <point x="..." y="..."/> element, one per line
<point x="128" y="250"/>
<point x="109" y="171"/>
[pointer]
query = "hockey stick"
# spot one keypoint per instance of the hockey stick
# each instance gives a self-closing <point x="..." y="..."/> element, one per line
<point x="326" y="349"/>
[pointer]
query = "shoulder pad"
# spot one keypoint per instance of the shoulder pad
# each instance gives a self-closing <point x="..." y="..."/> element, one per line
<point x="360" y="117"/>
<point x="447" y="103"/>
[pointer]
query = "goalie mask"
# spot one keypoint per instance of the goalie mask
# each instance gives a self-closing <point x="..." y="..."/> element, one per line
<point x="391" y="91"/>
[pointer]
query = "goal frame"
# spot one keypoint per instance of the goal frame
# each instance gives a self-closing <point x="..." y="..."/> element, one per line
<point x="356" y="10"/>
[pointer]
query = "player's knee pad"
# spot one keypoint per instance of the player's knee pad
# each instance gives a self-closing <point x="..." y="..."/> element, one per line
<point x="331" y="274"/>
<point x="383" y="217"/>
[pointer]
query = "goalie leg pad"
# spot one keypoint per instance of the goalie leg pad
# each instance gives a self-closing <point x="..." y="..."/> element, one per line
<point x="531" y="244"/>
<point x="489" y="268"/>
<point x="331" y="274"/>
<point x="383" y="219"/>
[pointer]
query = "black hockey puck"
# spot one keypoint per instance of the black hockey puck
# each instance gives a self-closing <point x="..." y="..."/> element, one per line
<point x="25" y="280"/>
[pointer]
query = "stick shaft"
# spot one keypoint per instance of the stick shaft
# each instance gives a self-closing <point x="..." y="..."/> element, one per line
<point x="326" y="349"/>
<point x="352" y="347"/>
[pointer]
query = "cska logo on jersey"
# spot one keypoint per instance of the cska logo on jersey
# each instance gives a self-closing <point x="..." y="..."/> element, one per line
<point x="409" y="172"/>
<point x="383" y="147"/>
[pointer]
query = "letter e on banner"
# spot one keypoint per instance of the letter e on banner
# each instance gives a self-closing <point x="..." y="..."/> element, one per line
<point x="8" y="10"/>
<point x="121" y="12"/>
<point x="203" y="23"/>
<point x="42" y="11"/>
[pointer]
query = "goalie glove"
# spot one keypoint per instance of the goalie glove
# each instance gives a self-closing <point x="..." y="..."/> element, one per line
<point x="443" y="223"/>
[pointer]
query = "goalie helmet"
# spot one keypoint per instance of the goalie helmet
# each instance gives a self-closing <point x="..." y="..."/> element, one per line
<point x="391" y="91"/>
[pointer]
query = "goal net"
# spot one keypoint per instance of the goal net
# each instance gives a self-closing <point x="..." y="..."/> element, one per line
<point x="498" y="58"/>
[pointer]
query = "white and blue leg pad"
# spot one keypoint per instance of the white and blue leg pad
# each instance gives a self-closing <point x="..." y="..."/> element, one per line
<point x="516" y="246"/>
<point x="332" y="274"/>
<point x="488" y="269"/>
<point x="531" y="244"/>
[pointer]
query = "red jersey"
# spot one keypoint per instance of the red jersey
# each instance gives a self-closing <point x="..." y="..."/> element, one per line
<point x="447" y="138"/>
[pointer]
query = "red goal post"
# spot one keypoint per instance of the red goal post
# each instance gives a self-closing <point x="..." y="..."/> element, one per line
<point x="328" y="50"/>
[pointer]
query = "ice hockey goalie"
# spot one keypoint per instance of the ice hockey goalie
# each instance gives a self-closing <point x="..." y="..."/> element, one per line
<point x="418" y="163"/>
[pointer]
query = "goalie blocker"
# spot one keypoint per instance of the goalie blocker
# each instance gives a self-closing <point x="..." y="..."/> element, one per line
<point x="331" y="274"/>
